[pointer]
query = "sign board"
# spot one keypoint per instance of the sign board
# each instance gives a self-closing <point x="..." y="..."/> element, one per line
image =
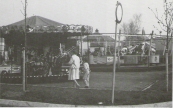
<point x="154" y="59"/>
<point x="110" y="59"/>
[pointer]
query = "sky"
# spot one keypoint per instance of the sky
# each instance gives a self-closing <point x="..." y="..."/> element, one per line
<point x="100" y="14"/>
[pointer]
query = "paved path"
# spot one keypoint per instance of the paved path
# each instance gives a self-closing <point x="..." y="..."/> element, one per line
<point x="15" y="103"/>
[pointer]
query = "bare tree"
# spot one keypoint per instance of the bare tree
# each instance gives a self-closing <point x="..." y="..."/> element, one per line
<point x="166" y="20"/>
<point x="124" y="27"/>
<point x="134" y="26"/>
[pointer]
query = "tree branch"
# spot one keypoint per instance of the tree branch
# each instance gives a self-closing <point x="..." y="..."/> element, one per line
<point x="159" y="21"/>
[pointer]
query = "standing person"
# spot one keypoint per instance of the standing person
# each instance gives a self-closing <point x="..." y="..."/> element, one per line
<point x="74" y="69"/>
<point x="87" y="71"/>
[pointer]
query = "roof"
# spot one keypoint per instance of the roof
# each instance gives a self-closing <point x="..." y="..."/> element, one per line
<point x="99" y="38"/>
<point x="34" y="21"/>
<point x="38" y="24"/>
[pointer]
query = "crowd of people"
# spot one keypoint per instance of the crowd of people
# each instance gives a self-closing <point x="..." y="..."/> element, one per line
<point x="42" y="65"/>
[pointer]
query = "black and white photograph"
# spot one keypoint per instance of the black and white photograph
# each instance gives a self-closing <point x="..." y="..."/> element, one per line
<point x="86" y="53"/>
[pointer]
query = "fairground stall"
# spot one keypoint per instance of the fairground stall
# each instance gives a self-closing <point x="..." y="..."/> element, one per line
<point x="132" y="50"/>
<point x="47" y="44"/>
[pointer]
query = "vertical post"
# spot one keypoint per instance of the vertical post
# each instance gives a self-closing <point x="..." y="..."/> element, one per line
<point x="115" y="59"/>
<point x="149" y="53"/>
<point x="167" y="80"/>
<point x="172" y="51"/>
<point x="88" y="50"/>
<point x="82" y="31"/>
<point x="119" y="48"/>
<point x="1" y="49"/>
<point x="4" y="52"/>
<point x="106" y="48"/>
<point x="24" y="61"/>
<point x="114" y="66"/>
<point x="60" y="48"/>
<point x="166" y="49"/>
<point x="11" y="59"/>
<point x="0" y="54"/>
<point x="167" y="69"/>
<point x="81" y="44"/>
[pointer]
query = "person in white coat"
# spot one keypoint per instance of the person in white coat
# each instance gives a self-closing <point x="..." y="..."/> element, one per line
<point x="74" y="69"/>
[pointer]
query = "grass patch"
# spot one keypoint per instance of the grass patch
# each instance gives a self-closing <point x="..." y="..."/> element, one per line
<point x="124" y="81"/>
<point x="87" y="96"/>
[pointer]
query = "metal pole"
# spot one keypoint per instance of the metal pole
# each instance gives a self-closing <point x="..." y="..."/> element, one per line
<point x="166" y="69"/>
<point x="167" y="62"/>
<point x="172" y="52"/>
<point x="24" y="61"/>
<point x="11" y="58"/>
<point x="115" y="59"/>
<point x="1" y="48"/>
<point x="114" y="66"/>
<point x="88" y="49"/>
<point x="119" y="48"/>
<point x="81" y="43"/>
<point x="149" y="53"/>
<point x="166" y="52"/>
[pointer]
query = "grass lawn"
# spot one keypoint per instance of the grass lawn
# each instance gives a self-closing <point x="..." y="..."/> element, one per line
<point x="129" y="86"/>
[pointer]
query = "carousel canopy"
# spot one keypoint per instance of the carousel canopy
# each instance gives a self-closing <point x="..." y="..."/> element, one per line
<point x="41" y="31"/>
<point x="36" y="21"/>
<point x="38" y="24"/>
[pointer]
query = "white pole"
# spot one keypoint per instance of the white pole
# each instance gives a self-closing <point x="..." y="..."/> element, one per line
<point x="119" y="48"/>
<point x="167" y="52"/>
<point x="149" y="54"/>
<point x="114" y="66"/>
<point x="106" y="48"/>
<point x="60" y="48"/>
<point x="81" y="44"/>
<point x="115" y="58"/>
<point x="24" y="61"/>
<point x="172" y="53"/>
